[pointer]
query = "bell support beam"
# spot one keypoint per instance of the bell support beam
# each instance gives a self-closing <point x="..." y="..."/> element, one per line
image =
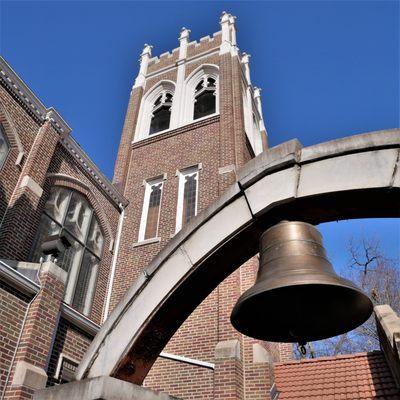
<point x="354" y="177"/>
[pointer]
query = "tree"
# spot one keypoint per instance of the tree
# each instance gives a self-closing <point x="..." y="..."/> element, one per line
<point x="379" y="277"/>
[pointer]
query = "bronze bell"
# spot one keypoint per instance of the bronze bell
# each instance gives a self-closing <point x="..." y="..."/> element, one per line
<point x="297" y="296"/>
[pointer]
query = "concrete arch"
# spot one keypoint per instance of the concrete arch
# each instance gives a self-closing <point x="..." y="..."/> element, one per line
<point x="354" y="177"/>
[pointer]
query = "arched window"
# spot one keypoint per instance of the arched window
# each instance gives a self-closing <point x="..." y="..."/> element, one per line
<point x="200" y="94"/>
<point x="4" y="146"/>
<point x="161" y="114"/>
<point x="68" y="211"/>
<point x="156" y="112"/>
<point x="205" y="100"/>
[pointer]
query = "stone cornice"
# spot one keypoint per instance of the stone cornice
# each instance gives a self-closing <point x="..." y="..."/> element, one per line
<point x="91" y="168"/>
<point x="29" y="100"/>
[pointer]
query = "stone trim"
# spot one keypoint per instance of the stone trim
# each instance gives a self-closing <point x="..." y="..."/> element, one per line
<point x="17" y="280"/>
<point x="102" y="387"/>
<point x="79" y="320"/>
<point x="56" y="271"/>
<point x="147" y="241"/>
<point x="29" y="376"/>
<point x="187" y="360"/>
<point x="29" y="100"/>
<point x="227" y="349"/>
<point x="91" y="168"/>
<point x="177" y="131"/>
<point x="29" y="183"/>
<point x="74" y="184"/>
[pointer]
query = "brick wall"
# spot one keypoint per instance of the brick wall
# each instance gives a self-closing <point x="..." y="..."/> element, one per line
<point x="12" y="310"/>
<point x="69" y="341"/>
<point x="216" y="142"/>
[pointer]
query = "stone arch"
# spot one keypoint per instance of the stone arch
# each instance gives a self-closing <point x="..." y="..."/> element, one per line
<point x="355" y="177"/>
<point x="57" y="179"/>
<point x="144" y="118"/>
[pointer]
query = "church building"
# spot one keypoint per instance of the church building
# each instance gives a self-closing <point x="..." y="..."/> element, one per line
<point x="72" y="242"/>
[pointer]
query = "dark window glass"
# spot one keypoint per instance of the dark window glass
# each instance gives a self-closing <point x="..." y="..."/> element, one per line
<point x="211" y="82"/>
<point x="4" y="146"/>
<point x="160" y="120"/>
<point x="69" y="211"/>
<point x="158" y="101"/>
<point x="199" y="86"/>
<point x="204" y="105"/>
<point x="84" y="288"/>
<point x="153" y="211"/>
<point x="189" y="199"/>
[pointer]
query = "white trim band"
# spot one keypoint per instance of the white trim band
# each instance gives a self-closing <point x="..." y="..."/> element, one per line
<point x="187" y="360"/>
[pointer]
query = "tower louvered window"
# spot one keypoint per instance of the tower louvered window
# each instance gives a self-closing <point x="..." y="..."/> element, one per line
<point x="69" y="212"/>
<point x="161" y="114"/>
<point x="205" y="98"/>
<point x="4" y="146"/>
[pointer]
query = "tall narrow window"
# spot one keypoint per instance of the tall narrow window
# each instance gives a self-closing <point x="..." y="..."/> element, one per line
<point x="68" y="211"/>
<point x="151" y="210"/>
<point x="205" y="98"/>
<point x="4" y="146"/>
<point x="161" y="114"/>
<point x="187" y="196"/>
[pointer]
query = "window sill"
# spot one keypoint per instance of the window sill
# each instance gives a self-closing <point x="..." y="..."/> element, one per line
<point x="147" y="241"/>
<point x="194" y="121"/>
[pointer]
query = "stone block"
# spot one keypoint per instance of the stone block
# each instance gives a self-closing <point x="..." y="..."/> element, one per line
<point x="29" y="376"/>
<point x="100" y="388"/>
<point x="228" y="349"/>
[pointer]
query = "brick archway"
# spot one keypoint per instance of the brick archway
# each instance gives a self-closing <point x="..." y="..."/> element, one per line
<point x="355" y="177"/>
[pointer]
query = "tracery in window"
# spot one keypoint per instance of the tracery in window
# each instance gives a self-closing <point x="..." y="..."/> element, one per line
<point x="205" y="98"/>
<point x="69" y="211"/>
<point x="4" y="146"/>
<point x="161" y="113"/>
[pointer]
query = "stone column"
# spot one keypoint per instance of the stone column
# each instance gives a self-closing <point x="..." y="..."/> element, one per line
<point x="24" y="211"/>
<point x="28" y="370"/>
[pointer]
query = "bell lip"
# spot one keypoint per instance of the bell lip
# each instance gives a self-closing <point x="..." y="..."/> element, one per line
<point x="274" y="338"/>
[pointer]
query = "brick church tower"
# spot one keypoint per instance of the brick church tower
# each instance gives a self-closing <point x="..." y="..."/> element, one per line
<point x="193" y="119"/>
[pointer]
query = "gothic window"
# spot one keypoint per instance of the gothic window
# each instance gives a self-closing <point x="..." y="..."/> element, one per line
<point x="151" y="210"/>
<point x="161" y="113"/>
<point x="187" y="196"/>
<point x="4" y="146"/>
<point x="68" y="211"/>
<point x="205" y="98"/>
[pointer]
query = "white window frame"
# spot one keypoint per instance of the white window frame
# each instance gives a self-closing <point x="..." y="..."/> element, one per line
<point x="194" y="170"/>
<point x="203" y="72"/>
<point x="147" y="108"/>
<point x="60" y="361"/>
<point x="145" y="209"/>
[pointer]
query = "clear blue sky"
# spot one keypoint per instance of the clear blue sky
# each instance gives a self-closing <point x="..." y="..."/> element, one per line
<point x="328" y="69"/>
